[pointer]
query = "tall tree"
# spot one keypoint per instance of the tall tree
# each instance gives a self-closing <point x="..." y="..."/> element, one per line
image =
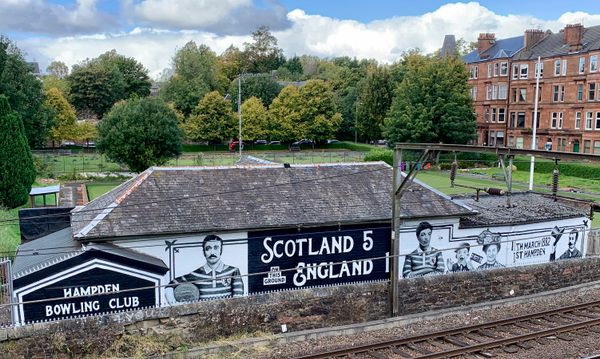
<point x="17" y="172"/>
<point x="95" y="89"/>
<point x="24" y="93"/>
<point x="263" y="87"/>
<point x="212" y="120"/>
<point x="51" y="81"/>
<point x="262" y="54"/>
<point x="140" y="132"/>
<point x="65" y="119"/>
<point x="58" y="69"/>
<point x="98" y="83"/>
<point x="196" y="73"/>
<point x="230" y="62"/>
<point x="255" y="120"/>
<point x="373" y="103"/>
<point x="319" y="119"/>
<point x="285" y="122"/>
<point x="432" y="103"/>
<point x="86" y="131"/>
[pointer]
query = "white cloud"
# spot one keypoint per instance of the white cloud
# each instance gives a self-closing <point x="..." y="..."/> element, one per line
<point x="383" y="40"/>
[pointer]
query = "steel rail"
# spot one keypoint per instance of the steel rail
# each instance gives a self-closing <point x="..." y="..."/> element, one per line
<point x="454" y="331"/>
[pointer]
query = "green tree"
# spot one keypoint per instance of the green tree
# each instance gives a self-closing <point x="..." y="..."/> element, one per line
<point x="140" y="132"/>
<point x="98" y="83"/>
<point x="319" y="120"/>
<point x="196" y="73"/>
<point x="65" y="119"/>
<point x="285" y="122"/>
<point x="86" y="131"/>
<point x="291" y="70"/>
<point x="24" y="93"/>
<point x="51" y="81"/>
<point x="58" y="69"/>
<point x="432" y="103"/>
<point x="95" y="89"/>
<point x="17" y="172"/>
<point x="212" y="120"/>
<point x="255" y="120"/>
<point x="262" y="55"/>
<point x="230" y="62"/>
<point x="373" y="103"/>
<point x="263" y="87"/>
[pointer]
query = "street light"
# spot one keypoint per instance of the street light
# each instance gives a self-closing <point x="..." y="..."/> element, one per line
<point x="239" y="77"/>
<point x="356" y="121"/>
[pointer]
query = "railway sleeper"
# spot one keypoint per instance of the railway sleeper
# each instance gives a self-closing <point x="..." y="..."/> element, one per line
<point x="525" y="345"/>
<point x="525" y="326"/>
<point x="377" y="355"/>
<point x="455" y="341"/>
<point x="399" y="352"/>
<point x="417" y="349"/>
<point x="511" y="349"/>
<point x="566" y="337"/>
<point x="488" y="333"/>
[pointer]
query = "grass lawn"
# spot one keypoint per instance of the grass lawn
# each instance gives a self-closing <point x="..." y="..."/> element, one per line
<point x="97" y="189"/>
<point x="10" y="235"/>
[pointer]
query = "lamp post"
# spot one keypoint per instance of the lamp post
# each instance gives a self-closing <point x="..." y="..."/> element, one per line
<point x="535" y="115"/>
<point x="356" y="122"/>
<point x="239" y="100"/>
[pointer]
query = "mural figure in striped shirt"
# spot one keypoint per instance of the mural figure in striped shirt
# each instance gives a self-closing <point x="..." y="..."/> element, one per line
<point x="425" y="260"/>
<point x="213" y="280"/>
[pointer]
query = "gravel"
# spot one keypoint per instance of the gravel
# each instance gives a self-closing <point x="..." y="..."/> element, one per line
<point x="583" y="344"/>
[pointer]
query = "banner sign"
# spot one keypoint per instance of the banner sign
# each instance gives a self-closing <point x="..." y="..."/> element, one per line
<point x="91" y="292"/>
<point x="317" y="258"/>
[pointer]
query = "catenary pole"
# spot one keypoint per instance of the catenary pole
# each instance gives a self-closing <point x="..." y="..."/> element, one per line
<point x="240" y="113"/>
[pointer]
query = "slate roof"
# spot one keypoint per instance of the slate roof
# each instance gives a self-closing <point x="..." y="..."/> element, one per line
<point x="555" y="45"/>
<point x="202" y="199"/>
<point x="527" y="207"/>
<point x="503" y="48"/>
<point x="44" y="250"/>
<point x="60" y="246"/>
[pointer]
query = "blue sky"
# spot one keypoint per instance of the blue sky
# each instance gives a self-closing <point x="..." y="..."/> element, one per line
<point x="152" y="30"/>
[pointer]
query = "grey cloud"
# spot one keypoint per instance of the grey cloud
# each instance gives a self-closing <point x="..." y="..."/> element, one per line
<point x="240" y="19"/>
<point x="41" y="17"/>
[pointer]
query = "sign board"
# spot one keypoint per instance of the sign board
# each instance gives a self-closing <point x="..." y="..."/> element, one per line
<point x="317" y="257"/>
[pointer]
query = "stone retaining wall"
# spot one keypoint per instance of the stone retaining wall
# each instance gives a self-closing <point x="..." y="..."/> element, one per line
<point x="298" y="310"/>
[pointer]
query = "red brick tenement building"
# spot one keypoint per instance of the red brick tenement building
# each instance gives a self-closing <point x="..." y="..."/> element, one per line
<point x="502" y="73"/>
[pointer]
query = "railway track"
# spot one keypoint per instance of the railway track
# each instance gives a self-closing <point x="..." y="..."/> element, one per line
<point x="510" y="335"/>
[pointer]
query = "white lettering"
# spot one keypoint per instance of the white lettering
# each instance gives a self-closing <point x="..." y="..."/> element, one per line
<point x="264" y="257"/>
<point x="367" y="240"/>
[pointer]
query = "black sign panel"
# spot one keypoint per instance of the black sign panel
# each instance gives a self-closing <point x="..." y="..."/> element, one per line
<point x="92" y="292"/>
<point x="319" y="257"/>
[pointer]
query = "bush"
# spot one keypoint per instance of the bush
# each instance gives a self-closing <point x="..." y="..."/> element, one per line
<point x="380" y="154"/>
<point x="589" y="171"/>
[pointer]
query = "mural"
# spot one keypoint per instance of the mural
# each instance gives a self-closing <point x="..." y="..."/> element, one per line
<point x="428" y="249"/>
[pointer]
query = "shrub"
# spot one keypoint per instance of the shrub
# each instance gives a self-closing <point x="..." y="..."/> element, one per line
<point x="380" y="154"/>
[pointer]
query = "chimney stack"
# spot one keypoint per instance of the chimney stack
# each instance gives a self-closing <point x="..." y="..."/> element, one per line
<point x="573" y="37"/>
<point x="485" y="41"/>
<point x="532" y="37"/>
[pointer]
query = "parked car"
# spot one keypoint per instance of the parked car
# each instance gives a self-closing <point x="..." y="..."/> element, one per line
<point x="67" y="143"/>
<point x="382" y="142"/>
<point x="304" y="142"/>
<point x="260" y="142"/>
<point x="234" y="144"/>
<point x="332" y="141"/>
<point x="275" y="143"/>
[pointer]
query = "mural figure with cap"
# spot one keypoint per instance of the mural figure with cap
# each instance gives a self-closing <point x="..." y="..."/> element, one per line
<point x="425" y="260"/>
<point x="491" y="247"/>
<point x="214" y="279"/>
<point x="463" y="262"/>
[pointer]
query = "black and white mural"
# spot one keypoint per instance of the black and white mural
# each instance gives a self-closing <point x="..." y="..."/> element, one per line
<point x="432" y="248"/>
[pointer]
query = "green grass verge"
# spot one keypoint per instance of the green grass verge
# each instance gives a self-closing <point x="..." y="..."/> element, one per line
<point x="97" y="189"/>
<point x="10" y="235"/>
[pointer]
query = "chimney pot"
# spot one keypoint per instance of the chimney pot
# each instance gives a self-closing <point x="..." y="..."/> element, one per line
<point x="573" y="35"/>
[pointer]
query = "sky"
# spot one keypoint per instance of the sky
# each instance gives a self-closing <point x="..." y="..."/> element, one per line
<point x="152" y="30"/>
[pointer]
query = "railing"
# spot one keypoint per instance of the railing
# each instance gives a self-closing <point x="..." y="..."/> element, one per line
<point x="6" y="292"/>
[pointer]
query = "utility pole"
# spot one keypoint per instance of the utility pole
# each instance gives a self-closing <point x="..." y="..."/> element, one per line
<point x="356" y="122"/>
<point x="240" y="112"/>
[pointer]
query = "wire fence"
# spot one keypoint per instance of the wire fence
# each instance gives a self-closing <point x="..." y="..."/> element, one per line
<point x="69" y="163"/>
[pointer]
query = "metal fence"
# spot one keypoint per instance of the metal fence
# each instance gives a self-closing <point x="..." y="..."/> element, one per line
<point x="65" y="162"/>
<point x="6" y="291"/>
